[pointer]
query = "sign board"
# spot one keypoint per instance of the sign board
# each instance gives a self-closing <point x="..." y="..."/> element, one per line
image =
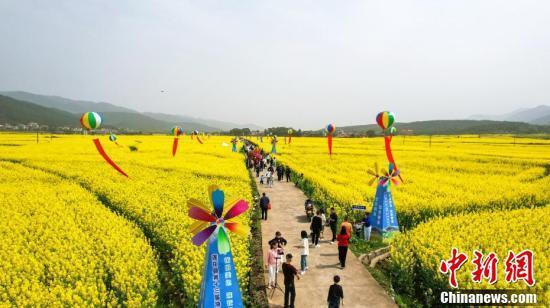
<point x="361" y="208"/>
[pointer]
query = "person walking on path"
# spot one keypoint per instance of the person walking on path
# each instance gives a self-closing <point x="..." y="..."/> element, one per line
<point x="346" y="224"/>
<point x="264" y="205"/>
<point x="271" y="264"/>
<point x="289" y="271"/>
<point x="316" y="227"/>
<point x="343" y="243"/>
<point x="324" y="222"/>
<point x="279" y="240"/>
<point x="287" y="173"/>
<point x="305" y="252"/>
<point x="335" y="294"/>
<point x="366" y="226"/>
<point x="333" y="223"/>
<point x="280" y="172"/>
<point x="270" y="179"/>
<point x="257" y="169"/>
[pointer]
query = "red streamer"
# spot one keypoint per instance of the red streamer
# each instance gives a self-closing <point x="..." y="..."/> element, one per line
<point x="175" y="146"/>
<point x="330" y="144"/>
<point x="101" y="151"/>
<point x="389" y="154"/>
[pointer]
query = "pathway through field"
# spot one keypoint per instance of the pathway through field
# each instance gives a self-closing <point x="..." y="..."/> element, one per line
<point x="287" y="216"/>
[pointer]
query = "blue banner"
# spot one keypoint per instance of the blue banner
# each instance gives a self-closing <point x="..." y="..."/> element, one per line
<point x="220" y="287"/>
<point x="383" y="217"/>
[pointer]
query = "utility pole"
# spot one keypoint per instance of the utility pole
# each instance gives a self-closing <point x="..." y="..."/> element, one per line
<point x="36" y="136"/>
<point x="430" y="141"/>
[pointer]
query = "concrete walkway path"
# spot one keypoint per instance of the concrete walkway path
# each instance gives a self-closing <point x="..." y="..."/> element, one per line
<point x="287" y="216"/>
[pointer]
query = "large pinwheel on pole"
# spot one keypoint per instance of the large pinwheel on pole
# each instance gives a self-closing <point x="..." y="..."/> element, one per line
<point x="220" y="286"/>
<point x="383" y="217"/>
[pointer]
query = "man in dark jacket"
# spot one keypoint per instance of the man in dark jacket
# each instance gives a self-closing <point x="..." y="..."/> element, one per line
<point x="289" y="271"/>
<point x="280" y="172"/>
<point x="287" y="173"/>
<point x="264" y="205"/>
<point x="278" y="240"/>
<point x="316" y="227"/>
<point x="333" y="223"/>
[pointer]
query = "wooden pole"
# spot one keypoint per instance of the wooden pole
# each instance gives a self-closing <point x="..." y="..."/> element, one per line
<point x="37" y="136"/>
<point x="430" y="141"/>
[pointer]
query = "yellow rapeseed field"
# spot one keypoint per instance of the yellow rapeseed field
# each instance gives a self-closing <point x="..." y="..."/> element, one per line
<point x="61" y="247"/>
<point x="469" y="192"/>
<point x="155" y="196"/>
<point x="416" y="255"/>
<point x="453" y="175"/>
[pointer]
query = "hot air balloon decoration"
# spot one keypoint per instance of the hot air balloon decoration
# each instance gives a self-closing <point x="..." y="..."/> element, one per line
<point x="274" y="145"/>
<point x="219" y="286"/>
<point x="113" y="138"/>
<point x="331" y="128"/>
<point x="176" y="131"/>
<point x="290" y="132"/>
<point x="196" y="134"/>
<point x="91" y="121"/>
<point x="384" y="217"/>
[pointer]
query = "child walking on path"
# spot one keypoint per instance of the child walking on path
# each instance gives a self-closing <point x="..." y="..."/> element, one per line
<point x="305" y="252"/>
<point x="335" y="294"/>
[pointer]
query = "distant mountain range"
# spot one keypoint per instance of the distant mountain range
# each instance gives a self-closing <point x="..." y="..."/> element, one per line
<point x="537" y="115"/>
<point x="55" y="111"/>
<point x="114" y="116"/>
<point x="14" y="111"/>
<point x="447" y="127"/>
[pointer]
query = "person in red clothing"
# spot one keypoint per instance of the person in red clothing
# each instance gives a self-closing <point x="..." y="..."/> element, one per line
<point x="343" y="243"/>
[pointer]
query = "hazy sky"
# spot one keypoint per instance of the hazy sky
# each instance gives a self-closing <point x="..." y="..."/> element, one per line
<point x="300" y="63"/>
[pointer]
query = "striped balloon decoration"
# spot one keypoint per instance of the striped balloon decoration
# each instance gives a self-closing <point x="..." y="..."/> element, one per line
<point x="176" y="131"/>
<point x="385" y="119"/>
<point x="90" y="120"/>
<point x="331" y="128"/>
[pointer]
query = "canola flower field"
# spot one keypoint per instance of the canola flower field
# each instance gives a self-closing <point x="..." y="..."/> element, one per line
<point x="76" y="233"/>
<point x="489" y="193"/>
<point x="453" y="175"/>
<point x="75" y="214"/>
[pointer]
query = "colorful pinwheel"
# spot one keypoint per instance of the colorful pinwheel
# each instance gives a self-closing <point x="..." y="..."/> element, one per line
<point x="374" y="173"/>
<point x="217" y="222"/>
<point x="390" y="177"/>
<point x="91" y="121"/>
